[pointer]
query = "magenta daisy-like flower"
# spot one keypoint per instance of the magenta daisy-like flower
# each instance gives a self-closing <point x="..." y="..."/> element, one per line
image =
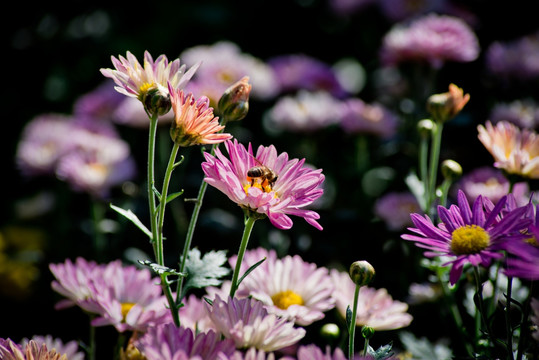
<point x="523" y="259"/>
<point x="289" y="287"/>
<point x="168" y="342"/>
<point x="248" y="324"/>
<point x="133" y="79"/>
<point x="266" y="184"/>
<point x="473" y="236"/>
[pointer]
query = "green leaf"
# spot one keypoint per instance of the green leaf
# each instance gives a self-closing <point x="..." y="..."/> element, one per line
<point x="134" y="219"/>
<point x="249" y="271"/>
<point x="205" y="271"/>
<point x="349" y="318"/>
<point x="173" y="196"/>
<point x="382" y="353"/>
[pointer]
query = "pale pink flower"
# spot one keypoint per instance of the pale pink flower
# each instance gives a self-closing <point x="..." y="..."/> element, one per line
<point x="70" y="348"/>
<point x="376" y="308"/>
<point x="288" y="287"/>
<point x="9" y="350"/>
<point x="248" y="324"/>
<point x="514" y="150"/>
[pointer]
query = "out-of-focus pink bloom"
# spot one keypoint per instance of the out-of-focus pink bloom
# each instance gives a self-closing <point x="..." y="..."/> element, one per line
<point x="302" y="72"/>
<point x="348" y="7"/>
<point x="406" y="9"/>
<point x="434" y="39"/>
<point x="70" y="348"/>
<point x="492" y="184"/>
<point x="130" y="113"/>
<point x="361" y="118"/>
<point x="224" y="64"/>
<point x="193" y="315"/>
<point x="305" y="112"/>
<point x="194" y="122"/>
<point x="254" y="354"/>
<point x="376" y="308"/>
<point x="168" y="342"/>
<point x="395" y="208"/>
<point x="288" y="287"/>
<point x="514" y="150"/>
<point x="523" y="113"/>
<point x="517" y="59"/>
<point x="287" y="191"/>
<point x="248" y="324"/>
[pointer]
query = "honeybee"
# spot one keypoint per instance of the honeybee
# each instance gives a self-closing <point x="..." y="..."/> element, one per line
<point x="261" y="173"/>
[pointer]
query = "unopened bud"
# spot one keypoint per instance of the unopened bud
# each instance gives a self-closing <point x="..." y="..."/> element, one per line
<point x="156" y="100"/>
<point x="330" y="331"/>
<point x="361" y="273"/>
<point x="426" y="128"/>
<point x="367" y="332"/>
<point x="445" y="106"/>
<point x="451" y="169"/>
<point x="234" y="103"/>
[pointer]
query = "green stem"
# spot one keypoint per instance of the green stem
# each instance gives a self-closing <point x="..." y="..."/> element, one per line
<point x="524" y="329"/>
<point x="423" y="169"/>
<point x="433" y="166"/>
<point x="249" y="223"/>
<point x="151" y="183"/>
<point x="99" y="238"/>
<point x="352" y="330"/>
<point x="163" y="202"/>
<point x="484" y="316"/>
<point x="91" y="347"/>
<point x="508" y="325"/>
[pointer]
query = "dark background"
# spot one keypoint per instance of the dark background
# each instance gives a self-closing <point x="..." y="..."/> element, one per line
<point x="52" y="55"/>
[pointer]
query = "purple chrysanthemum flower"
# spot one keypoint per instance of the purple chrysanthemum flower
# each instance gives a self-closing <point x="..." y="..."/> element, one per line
<point x="474" y="235"/>
<point x="305" y="111"/>
<point x="523" y="257"/>
<point x="168" y="342"/>
<point x="301" y="72"/>
<point x="254" y="354"/>
<point x="432" y="38"/>
<point x="359" y="117"/>
<point x="288" y="287"/>
<point x="288" y="187"/>
<point x="313" y="352"/>
<point x="248" y="324"/>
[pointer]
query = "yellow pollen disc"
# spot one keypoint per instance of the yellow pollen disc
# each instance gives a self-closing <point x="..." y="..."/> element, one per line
<point x="469" y="239"/>
<point x="286" y="298"/>
<point x="126" y="307"/>
<point x="532" y="241"/>
<point x="145" y="87"/>
<point x="258" y="183"/>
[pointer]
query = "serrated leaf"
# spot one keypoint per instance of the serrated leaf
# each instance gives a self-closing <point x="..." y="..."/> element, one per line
<point x="128" y="214"/>
<point x="382" y="353"/>
<point x="160" y="269"/>
<point x="205" y="271"/>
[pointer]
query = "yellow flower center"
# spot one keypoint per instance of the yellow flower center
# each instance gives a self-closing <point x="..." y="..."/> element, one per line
<point x="126" y="307"/>
<point x="469" y="239"/>
<point x="286" y="298"/>
<point x="143" y="89"/>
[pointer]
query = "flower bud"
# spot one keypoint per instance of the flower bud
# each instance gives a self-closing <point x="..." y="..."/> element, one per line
<point x="156" y="100"/>
<point x="426" y="128"/>
<point x="367" y="332"/>
<point x="445" y="106"/>
<point x="451" y="169"/>
<point x="234" y="103"/>
<point x="361" y="272"/>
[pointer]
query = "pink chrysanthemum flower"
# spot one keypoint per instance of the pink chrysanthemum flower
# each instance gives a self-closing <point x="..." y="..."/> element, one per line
<point x="168" y="342"/>
<point x="514" y="150"/>
<point x="254" y="354"/>
<point x="288" y="287"/>
<point x="523" y="113"/>
<point x="194" y="122"/>
<point x="358" y="117"/>
<point x="473" y="236"/>
<point x="70" y="348"/>
<point x="277" y="187"/>
<point x="434" y="39"/>
<point x="9" y="350"/>
<point x="133" y="79"/>
<point x="376" y="308"/>
<point x="193" y="315"/>
<point x="517" y="59"/>
<point x="313" y="352"/>
<point x="125" y="297"/>
<point x="248" y="324"/>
